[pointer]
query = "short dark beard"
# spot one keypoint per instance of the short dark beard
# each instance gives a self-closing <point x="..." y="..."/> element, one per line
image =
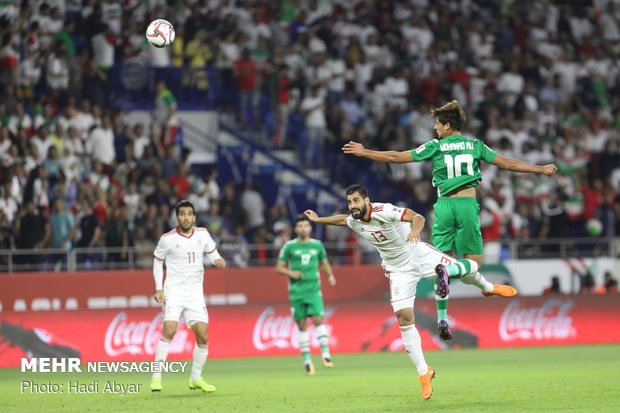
<point x="362" y="213"/>
<point x="185" y="230"/>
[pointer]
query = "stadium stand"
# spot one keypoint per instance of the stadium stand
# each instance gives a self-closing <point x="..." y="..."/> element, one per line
<point x="540" y="80"/>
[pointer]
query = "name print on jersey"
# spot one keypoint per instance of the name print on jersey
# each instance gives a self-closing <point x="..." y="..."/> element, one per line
<point x="456" y="146"/>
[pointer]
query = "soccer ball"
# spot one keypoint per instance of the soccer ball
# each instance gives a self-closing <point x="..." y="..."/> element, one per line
<point x="160" y="33"/>
<point x="594" y="227"/>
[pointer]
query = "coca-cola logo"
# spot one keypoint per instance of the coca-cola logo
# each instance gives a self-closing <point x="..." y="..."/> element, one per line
<point x="140" y="337"/>
<point x="279" y="331"/>
<point x="274" y="331"/>
<point x="550" y="321"/>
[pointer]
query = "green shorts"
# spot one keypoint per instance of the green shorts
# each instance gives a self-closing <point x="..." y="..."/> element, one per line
<point x="457" y="226"/>
<point x="308" y="306"/>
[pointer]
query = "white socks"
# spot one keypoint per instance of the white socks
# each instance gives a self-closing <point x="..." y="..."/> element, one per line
<point x="413" y="345"/>
<point x="478" y="280"/>
<point x="161" y="352"/>
<point x="199" y="359"/>
<point x="323" y="338"/>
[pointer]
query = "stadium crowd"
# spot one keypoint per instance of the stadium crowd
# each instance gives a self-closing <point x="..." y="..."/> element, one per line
<point x="540" y="80"/>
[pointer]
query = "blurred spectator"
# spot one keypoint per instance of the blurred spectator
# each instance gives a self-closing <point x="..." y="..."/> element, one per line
<point x="7" y="236"/>
<point x="313" y="107"/>
<point x="179" y="183"/>
<point x="90" y="228"/>
<point x="199" y="197"/>
<point x="213" y="220"/>
<point x="165" y="115"/>
<point x="234" y="247"/>
<point x="9" y="61"/>
<point x="144" y="248"/>
<point x="8" y="205"/>
<point x="246" y="73"/>
<point x="254" y="207"/>
<point x="117" y="235"/>
<point x="31" y="229"/>
<point x="554" y="288"/>
<point x="61" y="228"/>
<point x="261" y="253"/>
<point x="100" y="144"/>
<point x="586" y="283"/>
<point x="283" y="234"/>
<point x="609" y="285"/>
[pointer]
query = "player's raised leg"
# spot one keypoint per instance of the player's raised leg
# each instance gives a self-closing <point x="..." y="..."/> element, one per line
<point x="413" y="344"/>
<point x="199" y="358"/>
<point x="161" y="352"/>
<point x="322" y="336"/>
<point x="468" y="240"/>
<point x="442" y="315"/>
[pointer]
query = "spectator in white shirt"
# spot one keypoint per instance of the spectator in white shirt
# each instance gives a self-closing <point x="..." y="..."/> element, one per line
<point x="140" y="141"/>
<point x="397" y="89"/>
<point x="103" y="48"/>
<point x="337" y="70"/>
<point x="313" y="107"/>
<point x="253" y="207"/>
<point x="511" y="82"/>
<point x="41" y="142"/>
<point x="100" y="144"/>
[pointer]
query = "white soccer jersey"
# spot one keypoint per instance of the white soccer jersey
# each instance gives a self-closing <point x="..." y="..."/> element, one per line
<point x="184" y="262"/>
<point x="384" y="231"/>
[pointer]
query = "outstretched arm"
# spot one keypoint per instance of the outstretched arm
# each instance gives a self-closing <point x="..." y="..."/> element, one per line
<point x="357" y="149"/>
<point x="520" y="166"/>
<point x="339" y="220"/>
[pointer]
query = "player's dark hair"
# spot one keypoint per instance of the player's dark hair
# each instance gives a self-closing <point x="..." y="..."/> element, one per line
<point x="361" y="189"/>
<point x="301" y="218"/>
<point x="452" y="113"/>
<point x="184" y="204"/>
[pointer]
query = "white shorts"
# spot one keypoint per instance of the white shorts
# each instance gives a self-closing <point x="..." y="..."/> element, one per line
<point x="402" y="290"/>
<point x="193" y="311"/>
<point x="404" y="281"/>
<point x="427" y="257"/>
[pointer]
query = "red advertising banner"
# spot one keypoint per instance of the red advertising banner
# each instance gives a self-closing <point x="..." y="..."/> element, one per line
<point x="255" y="330"/>
<point x="134" y="289"/>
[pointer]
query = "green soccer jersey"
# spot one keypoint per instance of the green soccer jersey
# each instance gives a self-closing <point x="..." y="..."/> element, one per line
<point x="304" y="257"/>
<point x="456" y="161"/>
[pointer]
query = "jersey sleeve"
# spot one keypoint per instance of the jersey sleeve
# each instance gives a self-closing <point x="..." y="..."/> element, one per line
<point x="392" y="213"/>
<point x="348" y="221"/>
<point x="161" y="250"/>
<point x="487" y="154"/>
<point x="284" y="255"/>
<point x="210" y="246"/>
<point x="425" y="151"/>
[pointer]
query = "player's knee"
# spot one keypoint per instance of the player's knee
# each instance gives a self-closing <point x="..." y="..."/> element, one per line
<point x="202" y="339"/>
<point x="302" y="325"/>
<point x="169" y="333"/>
<point x="317" y="321"/>
<point x="405" y="317"/>
<point x="475" y="257"/>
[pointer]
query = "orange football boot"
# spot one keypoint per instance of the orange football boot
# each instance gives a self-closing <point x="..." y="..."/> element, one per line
<point x="505" y="291"/>
<point x="425" y="383"/>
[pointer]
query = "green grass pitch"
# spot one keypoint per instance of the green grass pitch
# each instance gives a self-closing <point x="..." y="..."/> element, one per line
<point x="562" y="379"/>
